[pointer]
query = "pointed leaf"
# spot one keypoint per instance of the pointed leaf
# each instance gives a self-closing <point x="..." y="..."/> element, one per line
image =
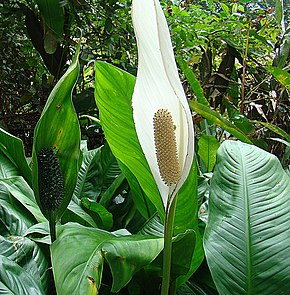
<point x="113" y="93"/>
<point x="23" y="193"/>
<point x="15" y="280"/>
<point x="281" y="75"/>
<point x="13" y="148"/>
<point x="247" y="237"/>
<point x="58" y="129"/>
<point x="217" y="119"/>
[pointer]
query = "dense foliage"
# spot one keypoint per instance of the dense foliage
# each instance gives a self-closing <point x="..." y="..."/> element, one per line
<point x="227" y="45"/>
<point x="81" y="208"/>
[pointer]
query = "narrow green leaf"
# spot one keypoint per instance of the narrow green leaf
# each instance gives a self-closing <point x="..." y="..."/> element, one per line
<point x="241" y="121"/>
<point x="194" y="83"/>
<point x="217" y="119"/>
<point x="274" y="128"/>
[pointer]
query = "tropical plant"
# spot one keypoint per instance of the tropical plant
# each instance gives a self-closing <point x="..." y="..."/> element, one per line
<point x="102" y="221"/>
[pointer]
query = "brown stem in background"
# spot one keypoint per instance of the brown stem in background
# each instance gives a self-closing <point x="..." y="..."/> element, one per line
<point x="244" y="71"/>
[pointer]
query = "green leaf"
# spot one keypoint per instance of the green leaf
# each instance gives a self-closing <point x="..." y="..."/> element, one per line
<point x="106" y="218"/>
<point x="82" y="273"/>
<point x="15" y="280"/>
<point x="279" y="12"/>
<point x="26" y="254"/>
<point x="23" y="193"/>
<point x="192" y="80"/>
<point x="241" y="121"/>
<point x="274" y="128"/>
<point x="53" y="15"/>
<point x="186" y="218"/>
<point x="8" y="169"/>
<point x="217" y="119"/>
<point x="82" y="217"/>
<point x="58" y="129"/>
<point x="281" y="76"/>
<point x="207" y="148"/>
<point x="87" y="248"/>
<point x="12" y="221"/>
<point x="113" y="93"/>
<point x="13" y="148"/>
<point x="142" y="203"/>
<point x="126" y="255"/>
<point x="247" y="237"/>
<point x="98" y="171"/>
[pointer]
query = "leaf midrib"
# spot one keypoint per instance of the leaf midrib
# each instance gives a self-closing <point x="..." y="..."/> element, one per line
<point x="247" y="216"/>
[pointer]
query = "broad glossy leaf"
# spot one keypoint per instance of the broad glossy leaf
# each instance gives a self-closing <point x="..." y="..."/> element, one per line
<point x="113" y="93"/>
<point x="21" y="191"/>
<point x="15" y="280"/>
<point x="98" y="171"/>
<point x="113" y="96"/>
<point x="76" y="209"/>
<point x="126" y="255"/>
<point x="58" y="129"/>
<point x="13" y="148"/>
<point x="26" y="254"/>
<point x="40" y="232"/>
<point x="82" y="273"/>
<point x="105" y="217"/>
<point x="13" y="222"/>
<point x="247" y="237"/>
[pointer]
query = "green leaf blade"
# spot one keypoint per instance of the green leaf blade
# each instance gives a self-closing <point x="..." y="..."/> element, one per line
<point x="58" y="129"/>
<point x="247" y="236"/>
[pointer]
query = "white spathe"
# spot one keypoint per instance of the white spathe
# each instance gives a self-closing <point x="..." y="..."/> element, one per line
<point x="158" y="87"/>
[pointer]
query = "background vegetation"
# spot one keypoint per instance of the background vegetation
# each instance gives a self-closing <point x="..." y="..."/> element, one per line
<point x="227" y="44"/>
<point x="233" y="58"/>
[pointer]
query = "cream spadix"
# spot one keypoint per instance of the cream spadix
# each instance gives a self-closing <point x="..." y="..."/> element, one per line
<point x="158" y="87"/>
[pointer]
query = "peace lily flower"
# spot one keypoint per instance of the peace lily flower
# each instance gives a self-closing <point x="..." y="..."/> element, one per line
<point x="160" y="109"/>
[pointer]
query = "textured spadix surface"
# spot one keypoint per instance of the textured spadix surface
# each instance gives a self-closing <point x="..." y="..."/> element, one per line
<point x="158" y="87"/>
<point x="247" y="237"/>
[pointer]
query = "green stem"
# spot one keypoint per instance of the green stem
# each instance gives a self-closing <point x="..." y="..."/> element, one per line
<point x="167" y="252"/>
<point x="52" y="229"/>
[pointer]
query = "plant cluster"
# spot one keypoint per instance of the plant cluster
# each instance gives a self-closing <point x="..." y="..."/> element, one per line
<point x="178" y="197"/>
